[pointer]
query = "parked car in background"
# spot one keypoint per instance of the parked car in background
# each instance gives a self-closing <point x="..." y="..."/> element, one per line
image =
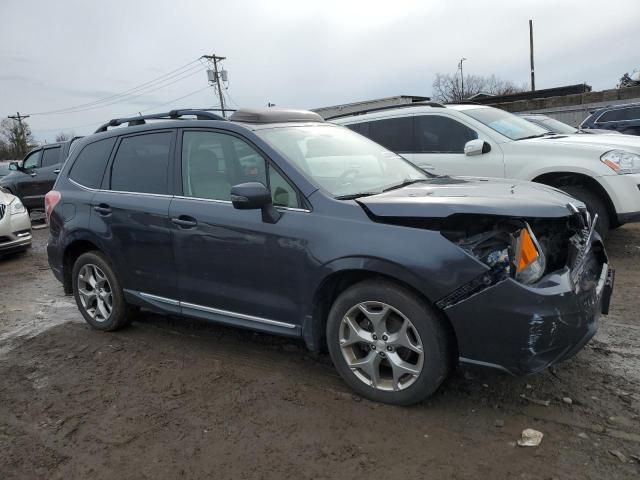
<point x="603" y="171"/>
<point x="15" y="225"/>
<point x="279" y="222"/>
<point x="31" y="178"/>
<point x="4" y="169"/>
<point x="556" y="126"/>
<point x="619" y="118"/>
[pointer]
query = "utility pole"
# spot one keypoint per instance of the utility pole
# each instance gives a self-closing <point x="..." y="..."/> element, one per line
<point x="216" y="78"/>
<point x="533" y="74"/>
<point x="461" y="77"/>
<point x="23" y="138"/>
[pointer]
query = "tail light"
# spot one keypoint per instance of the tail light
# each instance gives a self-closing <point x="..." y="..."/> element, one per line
<point x="51" y="199"/>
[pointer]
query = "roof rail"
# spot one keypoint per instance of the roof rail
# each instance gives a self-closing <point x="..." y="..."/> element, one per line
<point x="387" y="107"/>
<point x="200" y="114"/>
<point x="463" y="102"/>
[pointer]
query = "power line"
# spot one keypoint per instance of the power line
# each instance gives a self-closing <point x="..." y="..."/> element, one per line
<point x="162" y="78"/>
<point x="175" y="99"/>
<point x="102" y="121"/>
<point x="128" y="97"/>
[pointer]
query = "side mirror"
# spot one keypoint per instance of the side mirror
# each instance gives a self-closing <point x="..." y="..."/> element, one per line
<point x="255" y="196"/>
<point x="476" y="147"/>
<point x="14" y="166"/>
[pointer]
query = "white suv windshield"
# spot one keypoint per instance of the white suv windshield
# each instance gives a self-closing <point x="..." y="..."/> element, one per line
<point x="506" y="123"/>
<point x="342" y="162"/>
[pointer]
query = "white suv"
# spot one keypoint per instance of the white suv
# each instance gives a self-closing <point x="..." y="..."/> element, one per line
<point x="473" y="140"/>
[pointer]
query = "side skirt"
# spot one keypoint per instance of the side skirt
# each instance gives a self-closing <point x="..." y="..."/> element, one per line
<point x="177" y="307"/>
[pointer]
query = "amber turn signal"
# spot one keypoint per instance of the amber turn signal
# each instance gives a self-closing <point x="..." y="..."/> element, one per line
<point x="527" y="252"/>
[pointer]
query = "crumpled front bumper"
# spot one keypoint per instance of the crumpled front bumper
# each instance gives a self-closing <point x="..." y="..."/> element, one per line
<point x="523" y="329"/>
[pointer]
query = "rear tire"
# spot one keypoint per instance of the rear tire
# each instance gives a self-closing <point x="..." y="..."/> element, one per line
<point x="387" y="343"/>
<point x="594" y="205"/>
<point x="98" y="293"/>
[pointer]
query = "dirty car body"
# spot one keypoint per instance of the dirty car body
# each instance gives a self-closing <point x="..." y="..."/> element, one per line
<point x="512" y="272"/>
<point x="500" y="322"/>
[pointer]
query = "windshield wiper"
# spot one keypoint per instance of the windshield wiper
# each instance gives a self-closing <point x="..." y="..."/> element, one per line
<point x="405" y="182"/>
<point x="536" y="136"/>
<point x="352" y="196"/>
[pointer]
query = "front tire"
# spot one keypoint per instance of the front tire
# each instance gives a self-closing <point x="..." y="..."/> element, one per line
<point x="387" y="343"/>
<point x="594" y="205"/>
<point x="98" y="293"/>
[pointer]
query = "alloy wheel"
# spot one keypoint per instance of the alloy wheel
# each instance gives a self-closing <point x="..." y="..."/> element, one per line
<point x="95" y="292"/>
<point x="381" y="346"/>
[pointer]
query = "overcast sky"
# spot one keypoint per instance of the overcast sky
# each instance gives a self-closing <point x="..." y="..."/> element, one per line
<point x="60" y="54"/>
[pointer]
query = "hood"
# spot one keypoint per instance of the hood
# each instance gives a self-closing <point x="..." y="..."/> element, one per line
<point x="445" y="196"/>
<point x="603" y="143"/>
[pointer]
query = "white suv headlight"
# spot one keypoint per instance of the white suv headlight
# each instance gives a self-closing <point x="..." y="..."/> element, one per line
<point x="17" y="207"/>
<point x="621" y="162"/>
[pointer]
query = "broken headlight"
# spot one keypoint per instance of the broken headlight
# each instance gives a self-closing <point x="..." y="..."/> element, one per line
<point x="510" y="250"/>
<point x="529" y="258"/>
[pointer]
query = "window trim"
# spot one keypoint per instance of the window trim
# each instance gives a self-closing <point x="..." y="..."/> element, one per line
<point x="106" y="179"/>
<point x="304" y="205"/>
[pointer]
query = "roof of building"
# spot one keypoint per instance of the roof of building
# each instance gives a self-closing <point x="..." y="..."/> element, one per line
<point x="530" y="95"/>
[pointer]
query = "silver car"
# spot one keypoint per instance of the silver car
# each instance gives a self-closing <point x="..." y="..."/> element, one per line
<point x="15" y="224"/>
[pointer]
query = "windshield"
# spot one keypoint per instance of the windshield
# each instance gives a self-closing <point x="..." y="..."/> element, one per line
<point x="342" y="162"/>
<point x="506" y="123"/>
<point x="553" y="125"/>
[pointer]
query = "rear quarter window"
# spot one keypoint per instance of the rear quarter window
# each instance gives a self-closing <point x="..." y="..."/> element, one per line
<point x="89" y="166"/>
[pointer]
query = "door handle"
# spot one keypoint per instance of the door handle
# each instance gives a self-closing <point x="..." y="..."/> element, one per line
<point x="56" y="171"/>
<point x="33" y="174"/>
<point x="103" y="209"/>
<point x="185" y="221"/>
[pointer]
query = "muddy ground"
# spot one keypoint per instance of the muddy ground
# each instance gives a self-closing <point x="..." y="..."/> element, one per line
<point x="169" y="399"/>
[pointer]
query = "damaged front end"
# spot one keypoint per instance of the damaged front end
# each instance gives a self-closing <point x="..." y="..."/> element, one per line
<point x="546" y="282"/>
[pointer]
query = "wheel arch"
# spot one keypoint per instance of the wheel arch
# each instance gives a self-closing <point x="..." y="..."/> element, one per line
<point x="314" y="328"/>
<point x="567" y="178"/>
<point x="71" y="252"/>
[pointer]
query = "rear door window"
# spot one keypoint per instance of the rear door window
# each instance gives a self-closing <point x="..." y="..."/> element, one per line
<point x="631" y="113"/>
<point x="90" y="164"/>
<point x="396" y="134"/>
<point x="51" y="156"/>
<point x="610" y="116"/>
<point x="141" y="163"/>
<point x="439" y="134"/>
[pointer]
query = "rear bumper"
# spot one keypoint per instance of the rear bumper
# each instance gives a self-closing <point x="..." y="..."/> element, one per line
<point x="524" y="330"/>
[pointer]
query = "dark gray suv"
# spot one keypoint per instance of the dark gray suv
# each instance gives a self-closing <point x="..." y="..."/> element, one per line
<point x="279" y="222"/>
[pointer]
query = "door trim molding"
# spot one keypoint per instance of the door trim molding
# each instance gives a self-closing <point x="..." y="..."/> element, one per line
<point x="202" y="308"/>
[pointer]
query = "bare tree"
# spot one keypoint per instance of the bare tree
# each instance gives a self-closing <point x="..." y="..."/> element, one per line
<point x="448" y="87"/>
<point x="18" y="140"/>
<point x="64" y="136"/>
